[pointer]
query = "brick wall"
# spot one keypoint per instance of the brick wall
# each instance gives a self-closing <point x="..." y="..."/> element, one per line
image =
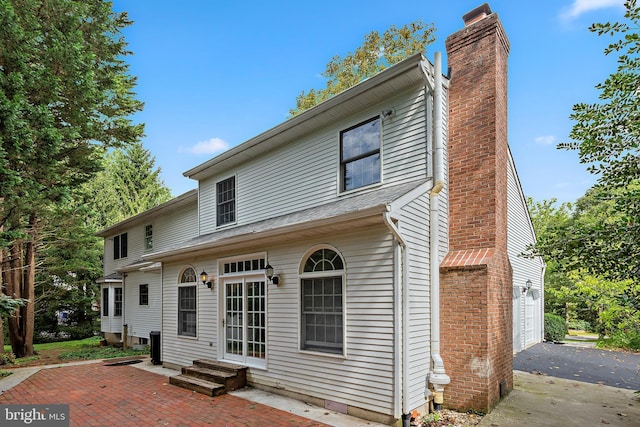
<point x="476" y="306"/>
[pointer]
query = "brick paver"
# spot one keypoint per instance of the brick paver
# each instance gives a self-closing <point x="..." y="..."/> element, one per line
<point x="101" y="395"/>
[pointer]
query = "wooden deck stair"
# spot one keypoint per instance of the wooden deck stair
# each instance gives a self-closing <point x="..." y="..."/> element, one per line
<point x="211" y="377"/>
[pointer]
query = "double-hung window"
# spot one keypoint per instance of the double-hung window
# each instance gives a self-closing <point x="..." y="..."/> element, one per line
<point x="117" y="302"/>
<point x="105" y="301"/>
<point x="143" y="294"/>
<point x="322" y="297"/>
<point x="120" y="246"/>
<point x="360" y="155"/>
<point x="226" y="201"/>
<point x="148" y="237"/>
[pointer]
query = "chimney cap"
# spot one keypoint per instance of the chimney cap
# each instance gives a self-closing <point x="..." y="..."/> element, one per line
<point x="476" y="14"/>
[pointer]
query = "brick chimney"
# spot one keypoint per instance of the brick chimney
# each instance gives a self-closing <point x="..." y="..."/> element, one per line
<point x="475" y="276"/>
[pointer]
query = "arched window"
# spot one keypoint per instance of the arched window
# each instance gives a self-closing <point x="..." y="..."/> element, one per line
<point x="187" y="304"/>
<point x="321" y="282"/>
<point x="188" y="276"/>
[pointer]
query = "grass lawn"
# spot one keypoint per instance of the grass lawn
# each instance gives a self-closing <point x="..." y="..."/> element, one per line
<point x="67" y="351"/>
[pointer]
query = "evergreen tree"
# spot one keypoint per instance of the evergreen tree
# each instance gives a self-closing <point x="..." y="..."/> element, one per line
<point x="65" y="96"/>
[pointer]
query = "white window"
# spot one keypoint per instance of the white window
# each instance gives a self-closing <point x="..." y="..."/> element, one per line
<point x="187" y="304"/>
<point x="120" y="246"/>
<point x="322" y="300"/>
<point x="360" y="155"/>
<point x="148" y="236"/>
<point x="105" y="301"/>
<point x="143" y="295"/>
<point x="226" y="201"/>
<point x="117" y="302"/>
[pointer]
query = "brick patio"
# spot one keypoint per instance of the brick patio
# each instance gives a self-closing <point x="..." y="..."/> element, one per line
<point x="101" y="395"/>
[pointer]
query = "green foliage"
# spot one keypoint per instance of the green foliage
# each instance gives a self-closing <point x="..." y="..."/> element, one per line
<point x="606" y="137"/>
<point x="7" y="358"/>
<point x="580" y="325"/>
<point x="554" y="327"/>
<point x="108" y="352"/>
<point x="129" y="184"/>
<point x="627" y="340"/>
<point x="66" y="96"/>
<point x="589" y="276"/>
<point x="8" y="305"/>
<point x="376" y="53"/>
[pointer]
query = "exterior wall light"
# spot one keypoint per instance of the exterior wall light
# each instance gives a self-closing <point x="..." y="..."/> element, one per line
<point x="268" y="271"/>
<point x="205" y="279"/>
<point x="526" y="287"/>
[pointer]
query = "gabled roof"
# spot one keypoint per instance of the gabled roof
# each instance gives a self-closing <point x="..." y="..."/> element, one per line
<point x="181" y="200"/>
<point x="385" y="84"/>
<point x="348" y="213"/>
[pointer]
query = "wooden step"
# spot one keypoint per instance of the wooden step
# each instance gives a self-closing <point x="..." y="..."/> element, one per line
<point x="199" y="385"/>
<point x="216" y="376"/>
<point x="211" y="377"/>
<point x="220" y="366"/>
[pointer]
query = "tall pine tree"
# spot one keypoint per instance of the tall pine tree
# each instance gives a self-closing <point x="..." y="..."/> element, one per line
<point x="65" y="96"/>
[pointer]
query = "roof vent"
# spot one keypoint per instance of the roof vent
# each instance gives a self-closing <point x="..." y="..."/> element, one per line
<point x="476" y="14"/>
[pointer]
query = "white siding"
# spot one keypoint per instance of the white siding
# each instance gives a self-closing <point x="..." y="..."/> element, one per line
<point x="183" y="350"/>
<point x="305" y="173"/>
<point x="414" y="226"/>
<point x="175" y="227"/>
<point x="364" y="378"/>
<point x="142" y="319"/>
<point x="520" y="234"/>
<point x="170" y="228"/>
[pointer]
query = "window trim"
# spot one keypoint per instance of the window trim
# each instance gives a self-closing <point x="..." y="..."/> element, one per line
<point x="219" y="223"/>
<point x="148" y="237"/>
<point x="315" y="275"/>
<point x="119" y="244"/>
<point x="105" y="301"/>
<point x="343" y="163"/>
<point x="184" y="285"/>
<point x="118" y="306"/>
<point x="146" y="294"/>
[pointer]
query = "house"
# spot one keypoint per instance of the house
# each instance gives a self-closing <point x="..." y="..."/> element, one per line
<point x="131" y="294"/>
<point x="362" y="256"/>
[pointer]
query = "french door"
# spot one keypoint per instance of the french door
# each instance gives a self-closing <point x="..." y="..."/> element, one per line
<point x="244" y="322"/>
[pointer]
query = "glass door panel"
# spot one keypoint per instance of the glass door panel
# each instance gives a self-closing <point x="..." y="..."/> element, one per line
<point x="234" y="325"/>
<point x="245" y="321"/>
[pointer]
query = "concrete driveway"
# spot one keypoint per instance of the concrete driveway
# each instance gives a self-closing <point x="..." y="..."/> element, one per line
<point x="542" y="398"/>
<point x="612" y="368"/>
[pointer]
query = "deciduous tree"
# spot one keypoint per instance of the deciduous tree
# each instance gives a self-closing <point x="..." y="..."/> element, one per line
<point x="377" y="52"/>
<point x="606" y="136"/>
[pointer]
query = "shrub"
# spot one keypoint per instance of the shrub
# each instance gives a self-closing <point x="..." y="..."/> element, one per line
<point x="580" y="325"/>
<point x="554" y="327"/>
<point x="627" y="340"/>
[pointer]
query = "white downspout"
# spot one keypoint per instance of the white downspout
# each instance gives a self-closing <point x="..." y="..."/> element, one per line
<point x="400" y="318"/>
<point x="437" y="377"/>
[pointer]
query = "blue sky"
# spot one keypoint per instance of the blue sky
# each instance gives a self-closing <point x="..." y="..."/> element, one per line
<point x="213" y="74"/>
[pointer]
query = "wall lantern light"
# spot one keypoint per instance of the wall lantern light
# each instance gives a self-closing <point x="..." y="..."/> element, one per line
<point x="205" y="279"/>
<point x="526" y="287"/>
<point x="268" y="270"/>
